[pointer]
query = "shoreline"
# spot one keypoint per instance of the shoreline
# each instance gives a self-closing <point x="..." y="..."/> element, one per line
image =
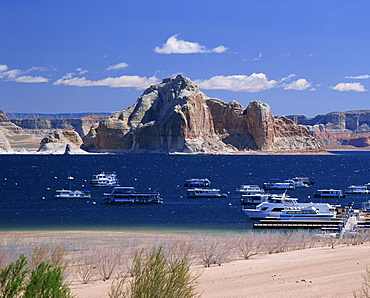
<point x="310" y="272"/>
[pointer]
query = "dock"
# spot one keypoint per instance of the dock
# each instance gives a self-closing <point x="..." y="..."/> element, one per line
<point x="331" y="225"/>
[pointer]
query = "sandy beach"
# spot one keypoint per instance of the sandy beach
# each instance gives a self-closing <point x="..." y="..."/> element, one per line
<point x="312" y="272"/>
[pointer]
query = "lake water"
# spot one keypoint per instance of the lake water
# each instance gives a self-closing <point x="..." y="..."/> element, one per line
<point x="28" y="183"/>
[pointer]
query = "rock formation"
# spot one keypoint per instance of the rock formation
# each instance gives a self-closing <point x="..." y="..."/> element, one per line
<point x="44" y="126"/>
<point x="4" y="143"/>
<point x="338" y="129"/>
<point x="175" y="116"/>
<point x="65" y="141"/>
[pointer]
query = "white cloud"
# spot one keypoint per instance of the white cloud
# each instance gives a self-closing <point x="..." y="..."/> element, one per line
<point x="358" y="77"/>
<point x="254" y="83"/>
<point x="219" y="49"/>
<point x="121" y="65"/>
<point x="349" y="87"/>
<point x="14" y="75"/>
<point x="3" y="67"/>
<point x="117" y="82"/>
<point x="178" y="46"/>
<point x="31" y="79"/>
<point x="36" y="68"/>
<point x="300" y="84"/>
<point x="81" y="71"/>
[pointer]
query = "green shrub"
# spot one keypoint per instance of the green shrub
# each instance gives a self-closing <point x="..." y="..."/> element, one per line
<point x="46" y="281"/>
<point x="153" y="277"/>
<point x="12" y="278"/>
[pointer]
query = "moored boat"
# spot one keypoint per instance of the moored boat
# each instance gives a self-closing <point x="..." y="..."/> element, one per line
<point x="329" y="193"/>
<point x="105" y="178"/>
<point x="277" y="186"/>
<point x="304" y="180"/>
<point x="274" y="207"/>
<point x="357" y="190"/>
<point x="307" y="213"/>
<point x="128" y="195"/>
<point x="203" y="182"/>
<point x="72" y="194"/>
<point x="249" y="190"/>
<point x="205" y="193"/>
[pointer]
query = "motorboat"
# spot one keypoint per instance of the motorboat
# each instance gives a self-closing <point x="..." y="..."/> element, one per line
<point x="275" y="206"/>
<point x="128" y="195"/>
<point x="199" y="192"/>
<point x="250" y="190"/>
<point x="357" y="190"/>
<point x="329" y="193"/>
<point x="277" y="185"/>
<point x="72" y="194"/>
<point x="105" y="178"/>
<point x="203" y="182"/>
<point x="307" y="213"/>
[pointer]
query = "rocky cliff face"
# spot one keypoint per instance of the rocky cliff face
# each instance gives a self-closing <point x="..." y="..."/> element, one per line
<point x="339" y="128"/>
<point x="4" y="143"/>
<point x="175" y="116"/>
<point x="44" y="126"/>
<point x="60" y="141"/>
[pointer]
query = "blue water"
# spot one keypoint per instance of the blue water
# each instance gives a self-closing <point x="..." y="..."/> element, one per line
<point x="28" y="182"/>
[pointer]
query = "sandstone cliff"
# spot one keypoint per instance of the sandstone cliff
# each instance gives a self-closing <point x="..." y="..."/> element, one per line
<point x="338" y="129"/>
<point x="169" y="117"/>
<point x="44" y="126"/>
<point x="175" y="116"/>
<point x="65" y="141"/>
<point x="4" y="143"/>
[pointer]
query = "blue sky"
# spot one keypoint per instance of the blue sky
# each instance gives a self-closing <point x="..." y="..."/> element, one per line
<point x="300" y="57"/>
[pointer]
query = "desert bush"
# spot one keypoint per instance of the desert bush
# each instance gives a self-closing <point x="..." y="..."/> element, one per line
<point x="47" y="281"/>
<point x="365" y="289"/>
<point x="214" y="251"/>
<point x="153" y="277"/>
<point x="12" y="278"/>
<point x="275" y="242"/>
<point x="248" y="244"/>
<point x="108" y="259"/>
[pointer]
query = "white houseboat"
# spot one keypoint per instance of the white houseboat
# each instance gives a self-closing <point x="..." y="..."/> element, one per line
<point x="329" y="193"/>
<point x="205" y="193"/>
<point x="105" y="179"/>
<point x="357" y="190"/>
<point x="203" y="182"/>
<point x="72" y="194"/>
<point x="249" y="190"/>
<point x="128" y="195"/>
<point x="277" y="185"/>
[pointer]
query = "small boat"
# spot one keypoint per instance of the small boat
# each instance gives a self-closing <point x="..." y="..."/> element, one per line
<point x="128" y="195"/>
<point x="357" y="190"/>
<point x="72" y="194"/>
<point x="329" y="193"/>
<point x="307" y="213"/>
<point x="304" y="180"/>
<point x="277" y="186"/>
<point x="105" y="179"/>
<point x="249" y="190"/>
<point x="205" y="193"/>
<point x="296" y="184"/>
<point x="204" y="182"/>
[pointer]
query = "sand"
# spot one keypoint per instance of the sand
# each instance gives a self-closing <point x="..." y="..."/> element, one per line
<point x="314" y="272"/>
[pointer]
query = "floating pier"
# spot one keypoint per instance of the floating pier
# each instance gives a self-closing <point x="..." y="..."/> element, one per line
<point x="333" y="224"/>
